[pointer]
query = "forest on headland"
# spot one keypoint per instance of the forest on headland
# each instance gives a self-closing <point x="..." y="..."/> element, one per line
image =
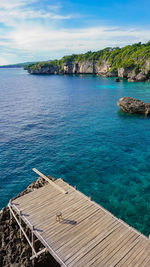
<point x="131" y="62"/>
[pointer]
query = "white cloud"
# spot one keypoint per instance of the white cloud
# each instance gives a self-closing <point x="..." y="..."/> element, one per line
<point x="19" y="10"/>
<point x="3" y="61"/>
<point x="27" y="32"/>
<point x="12" y="17"/>
<point x="14" y="3"/>
<point x="54" y="7"/>
<point x="40" y="39"/>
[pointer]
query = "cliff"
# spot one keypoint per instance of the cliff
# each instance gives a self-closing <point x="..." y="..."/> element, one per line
<point x="131" y="62"/>
<point x="16" y="252"/>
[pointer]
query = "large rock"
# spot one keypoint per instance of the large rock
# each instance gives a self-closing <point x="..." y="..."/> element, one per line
<point x="131" y="80"/>
<point x="132" y="75"/>
<point x="123" y="72"/>
<point x="103" y="68"/>
<point x="140" y="77"/>
<point x="117" y="80"/>
<point x="147" y="66"/>
<point x="133" y="105"/>
<point x="44" y="70"/>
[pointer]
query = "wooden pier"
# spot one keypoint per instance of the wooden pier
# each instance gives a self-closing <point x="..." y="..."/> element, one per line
<point x="77" y="231"/>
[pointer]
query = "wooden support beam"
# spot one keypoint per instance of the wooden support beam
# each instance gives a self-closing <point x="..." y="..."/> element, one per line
<point x="32" y="232"/>
<point x="38" y="253"/>
<point x="11" y="217"/>
<point x="88" y="234"/>
<point x="33" y="245"/>
<point x="48" y="180"/>
<point x="22" y="230"/>
<point x="20" y="213"/>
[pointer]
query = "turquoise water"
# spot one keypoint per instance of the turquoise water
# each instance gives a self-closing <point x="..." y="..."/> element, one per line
<point x="71" y="127"/>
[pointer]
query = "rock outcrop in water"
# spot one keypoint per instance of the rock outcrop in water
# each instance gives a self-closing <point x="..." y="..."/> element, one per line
<point x="15" y="252"/>
<point x="133" y="105"/>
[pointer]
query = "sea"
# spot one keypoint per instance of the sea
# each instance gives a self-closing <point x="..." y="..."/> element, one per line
<point x="70" y="126"/>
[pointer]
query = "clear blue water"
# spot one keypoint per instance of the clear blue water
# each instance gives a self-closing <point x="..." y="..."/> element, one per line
<point x="71" y="127"/>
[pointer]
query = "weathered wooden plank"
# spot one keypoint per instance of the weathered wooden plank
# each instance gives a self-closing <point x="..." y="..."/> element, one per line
<point x="33" y="193"/>
<point x="46" y="202"/>
<point x="89" y="258"/>
<point x="87" y="247"/>
<point x="33" y="204"/>
<point x="78" y="218"/>
<point x="122" y="242"/>
<point x="123" y="251"/>
<point x="133" y="254"/>
<point x="70" y="236"/>
<point x="48" y="180"/>
<point x="146" y="263"/>
<point x="50" y="225"/>
<point x="137" y="261"/>
<point x="107" y="243"/>
<point x="91" y="240"/>
<point x="64" y="185"/>
<point x="84" y="250"/>
<point x="143" y="258"/>
<point x="52" y="209"/>
<point x="32" y="196"/>
<point x="53" y="222"/>
<point x="97" y="239"/>
<point x="77" y="235"/>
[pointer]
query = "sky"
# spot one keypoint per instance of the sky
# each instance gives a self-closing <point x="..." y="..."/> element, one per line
<point x="38" y="30"/>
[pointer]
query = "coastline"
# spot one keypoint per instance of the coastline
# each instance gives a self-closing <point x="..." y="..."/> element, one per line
<point x="131" y="62"/>
<point x="89" y="67"/>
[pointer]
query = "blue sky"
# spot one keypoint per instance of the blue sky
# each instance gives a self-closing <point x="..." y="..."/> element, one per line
<point x="34" y="30"/>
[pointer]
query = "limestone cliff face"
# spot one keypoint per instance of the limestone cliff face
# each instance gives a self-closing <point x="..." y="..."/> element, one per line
<point x="44" y="70"/>
<point x="87" y="67"/>
<point x="79" y="68"/>
<point x="93" y="67"/>
<point x="133" y="75"/>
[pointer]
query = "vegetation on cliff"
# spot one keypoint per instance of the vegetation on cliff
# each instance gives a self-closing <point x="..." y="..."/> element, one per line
<point x="130" y="56"/>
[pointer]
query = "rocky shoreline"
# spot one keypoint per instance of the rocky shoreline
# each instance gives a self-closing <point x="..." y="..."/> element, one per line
<point x="15" y="252"/>
<point x="131" y="62"/>
<point x="90" y="67"/>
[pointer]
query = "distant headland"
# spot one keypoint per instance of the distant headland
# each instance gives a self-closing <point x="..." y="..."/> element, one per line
<point x="18" y="65"/>
<point x="131" y="62"/>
